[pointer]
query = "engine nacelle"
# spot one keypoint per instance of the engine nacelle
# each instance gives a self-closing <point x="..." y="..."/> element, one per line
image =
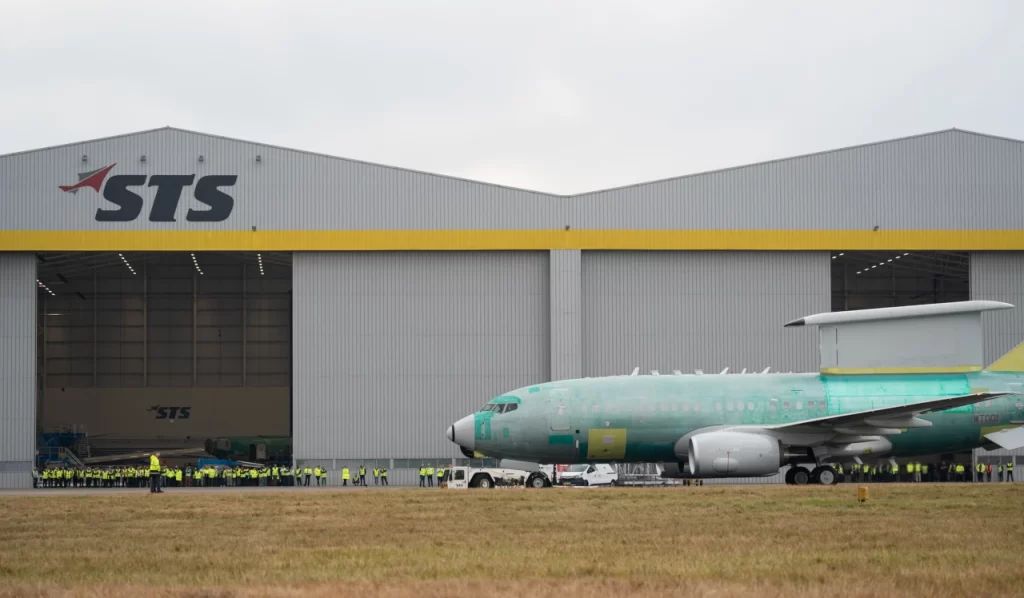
<point x="734" y="454"/>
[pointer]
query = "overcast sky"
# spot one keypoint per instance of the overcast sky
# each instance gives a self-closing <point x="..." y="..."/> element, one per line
<point x="557" y="96"/>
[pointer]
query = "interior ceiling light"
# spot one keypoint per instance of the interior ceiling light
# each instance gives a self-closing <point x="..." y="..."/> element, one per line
<point x="906" y="254"/>
<point x="125" y="260"/>
<point x="45" y="288"/>
<point x="842" y="254"/>
<point x="259" y="256"/>
<point x="196" y="264"/>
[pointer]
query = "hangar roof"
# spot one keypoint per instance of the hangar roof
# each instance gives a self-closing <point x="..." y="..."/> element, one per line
<point x="412" y="170"/>
<point x="948" y="190"/>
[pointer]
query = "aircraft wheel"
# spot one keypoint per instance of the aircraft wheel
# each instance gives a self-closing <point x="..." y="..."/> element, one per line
<point x="789" y="475"/>
<point x="824" y="475"/>
<point x="801" y="476"/>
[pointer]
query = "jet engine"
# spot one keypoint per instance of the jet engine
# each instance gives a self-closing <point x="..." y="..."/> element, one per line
<point x="734" y="454"/>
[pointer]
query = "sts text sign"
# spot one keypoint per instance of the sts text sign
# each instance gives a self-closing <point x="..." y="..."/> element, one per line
<point x="208" y="191"/>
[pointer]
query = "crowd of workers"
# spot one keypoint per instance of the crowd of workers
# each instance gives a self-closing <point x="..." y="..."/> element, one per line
<point x="132" y="476"/>
<point x="924" y="472"/>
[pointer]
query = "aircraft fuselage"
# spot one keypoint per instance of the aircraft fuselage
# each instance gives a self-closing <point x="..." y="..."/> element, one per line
<point x="643" y="418"/>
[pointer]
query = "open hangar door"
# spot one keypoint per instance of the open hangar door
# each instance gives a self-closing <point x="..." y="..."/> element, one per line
<point x="873" y="279"/>
<point x="163" y="351"/>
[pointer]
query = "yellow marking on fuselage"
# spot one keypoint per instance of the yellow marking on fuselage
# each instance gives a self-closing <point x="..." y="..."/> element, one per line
<point x="606" y="443"/>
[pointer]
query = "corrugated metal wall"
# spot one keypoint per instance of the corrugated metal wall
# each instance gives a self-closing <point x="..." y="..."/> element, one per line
<point x="951" y="180"/>
<point x="999" y="276"/>
<point x="18" y="291"/>
<point x="948" y="180"/>
<point x="566" y="339"/>
<point x="708" y="310"/>
<point x="390" y="348"/>
<point x="285" y="190"/>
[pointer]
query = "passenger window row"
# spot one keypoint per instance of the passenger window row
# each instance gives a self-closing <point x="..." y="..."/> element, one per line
<point x="773" y="405"/>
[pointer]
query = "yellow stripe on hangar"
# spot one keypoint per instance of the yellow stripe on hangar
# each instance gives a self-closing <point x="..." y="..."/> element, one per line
<point x="523" y="240"/>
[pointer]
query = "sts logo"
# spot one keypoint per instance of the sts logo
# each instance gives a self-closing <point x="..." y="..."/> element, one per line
<point x="168" y="193"/>
<point x="171" y="413"/>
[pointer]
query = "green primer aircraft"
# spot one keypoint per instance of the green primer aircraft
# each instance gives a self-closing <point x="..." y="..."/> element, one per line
<point x="731" y="425"/>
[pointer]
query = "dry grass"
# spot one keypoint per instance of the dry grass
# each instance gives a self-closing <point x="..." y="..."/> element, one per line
<point x="909" y="540"/>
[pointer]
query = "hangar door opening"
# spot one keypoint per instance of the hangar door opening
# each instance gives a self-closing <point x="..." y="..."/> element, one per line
<point x="186" y="353"/>
<point x="873" y="279"/>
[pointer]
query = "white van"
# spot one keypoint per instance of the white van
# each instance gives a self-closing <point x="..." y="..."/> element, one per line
<point x="596" y="474"/>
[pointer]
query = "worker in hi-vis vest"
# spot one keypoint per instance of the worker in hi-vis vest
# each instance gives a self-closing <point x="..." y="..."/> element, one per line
<point x="154" y="473"/>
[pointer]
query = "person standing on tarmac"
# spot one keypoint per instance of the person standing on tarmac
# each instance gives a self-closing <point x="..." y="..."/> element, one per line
<point x="362" y="475"/>
<point x="154" y="473"/>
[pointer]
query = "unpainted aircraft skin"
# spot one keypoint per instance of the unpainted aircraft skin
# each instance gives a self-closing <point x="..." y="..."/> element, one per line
<point x="645" y="417"/>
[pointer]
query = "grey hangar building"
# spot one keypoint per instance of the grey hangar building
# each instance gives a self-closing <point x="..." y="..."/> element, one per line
<point x="165" y="288"/>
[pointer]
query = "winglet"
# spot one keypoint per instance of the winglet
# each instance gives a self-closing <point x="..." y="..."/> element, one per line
<point x="1013" y="361"/>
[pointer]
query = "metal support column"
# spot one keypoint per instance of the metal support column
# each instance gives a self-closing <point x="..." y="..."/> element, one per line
<point x="566" y="325"/>
<point x="245" y="323"/>
<point x="145" y="324"/>
<point x="95" y="329"/>
<point x="195" y="289"/>
<point x="42" y="391"/>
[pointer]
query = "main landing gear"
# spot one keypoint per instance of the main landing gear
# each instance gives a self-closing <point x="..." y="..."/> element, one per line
<point x="823" y="474"/>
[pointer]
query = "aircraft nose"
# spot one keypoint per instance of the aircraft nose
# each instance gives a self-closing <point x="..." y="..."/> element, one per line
<point x="461" y="432"/>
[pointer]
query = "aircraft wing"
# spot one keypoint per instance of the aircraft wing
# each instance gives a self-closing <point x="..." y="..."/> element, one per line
<point x="898" y="416"/>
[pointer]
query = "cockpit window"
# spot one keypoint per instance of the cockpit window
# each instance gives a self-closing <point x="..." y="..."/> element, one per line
<point x="500" y="407"/>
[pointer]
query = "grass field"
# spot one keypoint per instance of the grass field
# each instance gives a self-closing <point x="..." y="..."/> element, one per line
<point x="907" y="540"/>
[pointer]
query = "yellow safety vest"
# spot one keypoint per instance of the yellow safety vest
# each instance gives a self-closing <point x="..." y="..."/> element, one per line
<point x="154" y="464"/>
